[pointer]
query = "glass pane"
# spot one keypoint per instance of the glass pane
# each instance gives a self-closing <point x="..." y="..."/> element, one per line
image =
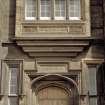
<point x="92" y="81"/>
<point x="30" y="8"/>
<point x="45" y="8"/>
<point x="60" y="8"/>
<point x="74" y="8"/>
<point x="13" y="101"/>
<point x="13" y="80"/>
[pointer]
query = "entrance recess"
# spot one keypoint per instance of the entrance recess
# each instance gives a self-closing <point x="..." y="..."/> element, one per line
<point x="53" y="96"/>
<point x="55" y="89"/>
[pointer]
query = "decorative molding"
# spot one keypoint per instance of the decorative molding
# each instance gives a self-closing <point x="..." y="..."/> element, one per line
<point x="34" y="74"/>
<point x="93" y="61"/>
<point x="55" y="66"/>
<point x="10" y="61"/>
<point x="54" y="75"/>
<point x="75" y="74"/>
<point x="44" y="84"/>
<point x="51" y="48"/>
<point x="17" y="63"/>
<point x="52" y="67"/>
<point x="53" y="28"/>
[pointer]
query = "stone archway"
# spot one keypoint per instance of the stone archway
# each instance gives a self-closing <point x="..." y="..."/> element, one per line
<point x="51" y="92"/>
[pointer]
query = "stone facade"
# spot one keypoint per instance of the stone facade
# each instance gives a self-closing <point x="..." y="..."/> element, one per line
<point x="52" y="54"/>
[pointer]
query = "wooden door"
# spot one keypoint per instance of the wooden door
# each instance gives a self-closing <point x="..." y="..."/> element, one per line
<point x="53" y="96"/>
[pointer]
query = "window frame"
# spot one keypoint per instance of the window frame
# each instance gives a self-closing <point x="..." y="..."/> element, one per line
<point x="52" y="14"/>
<point x="45" y="18"/>
<point x="80" y="12"/>
<point x="9" y="82"/>
<point x="5" y="70"/>
<point x="30" y="18"/>
<point x="60" y="18"/>
<point x="17" y="65"/>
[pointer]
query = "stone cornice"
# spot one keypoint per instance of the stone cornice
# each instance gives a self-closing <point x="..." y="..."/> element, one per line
<point x="80" y="38"/>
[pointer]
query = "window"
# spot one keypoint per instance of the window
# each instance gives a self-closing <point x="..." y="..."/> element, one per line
<point x="74" y="10"/>
<point x="13" y="80"/>
<point x="52" y="9"/>
<point x="60" y="8"/>
<point x="30" y="9"/>
<point x="13" y="84"/>
<point x="45" y="9"/>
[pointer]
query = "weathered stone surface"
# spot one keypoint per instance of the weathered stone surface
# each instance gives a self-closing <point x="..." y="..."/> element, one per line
<point x="73" y="65"/>
<point x="97" y="17"/>
<point x="97" y="23"/>
<point x="29" y="65"/>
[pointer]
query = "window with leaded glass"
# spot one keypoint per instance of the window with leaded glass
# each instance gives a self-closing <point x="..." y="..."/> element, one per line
<point x="60" y="9"/>
<point x="14" y="70"/>
<point x="52" y="9"/>
<point x="45" y="6"/>
<point x="30" y="9"/>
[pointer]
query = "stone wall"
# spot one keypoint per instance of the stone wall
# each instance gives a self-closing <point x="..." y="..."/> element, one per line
<point x="7" y="19"/>
<point x="104" y="21"/>
<point x="12" y="51"/>
<point x="96" y="17"/>
<point x="7" y="24"/>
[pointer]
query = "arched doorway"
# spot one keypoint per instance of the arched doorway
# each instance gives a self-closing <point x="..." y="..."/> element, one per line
<point x="55" y="90"/>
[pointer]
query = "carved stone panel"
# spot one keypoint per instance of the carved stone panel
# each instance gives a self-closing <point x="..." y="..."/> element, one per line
<point x="54" y="67"/>
<point x="53" y="28"/>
